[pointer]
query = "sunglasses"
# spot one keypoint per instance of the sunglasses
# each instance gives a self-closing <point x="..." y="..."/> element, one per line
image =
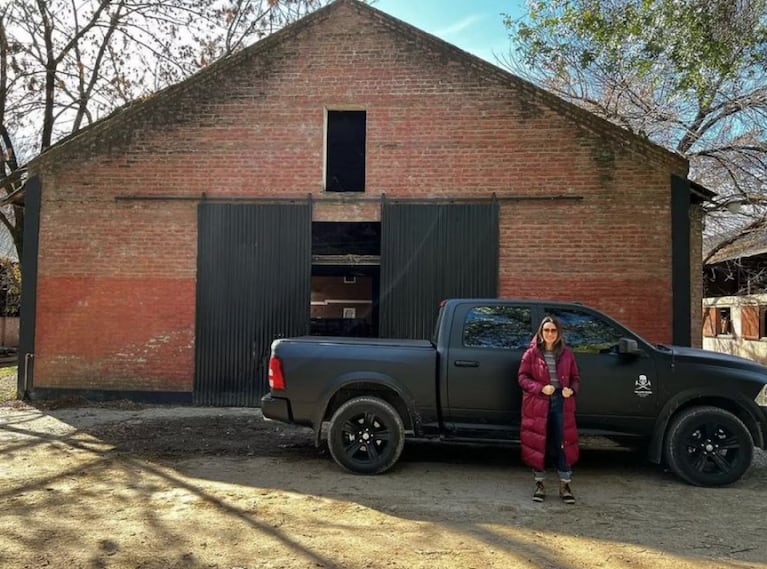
<point x="552" y="330"/>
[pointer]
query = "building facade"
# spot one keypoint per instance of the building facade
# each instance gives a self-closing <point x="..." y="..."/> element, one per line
<point x="171" y="242"/>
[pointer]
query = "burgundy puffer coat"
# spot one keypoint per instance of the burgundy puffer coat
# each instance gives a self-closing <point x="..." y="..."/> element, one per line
<point x="533" y="376"/>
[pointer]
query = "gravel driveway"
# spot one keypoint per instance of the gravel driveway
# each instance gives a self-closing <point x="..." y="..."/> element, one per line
<point x="128" y="486"/>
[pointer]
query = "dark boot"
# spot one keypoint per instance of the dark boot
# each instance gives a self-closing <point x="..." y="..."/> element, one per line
<point x="540" y="491"/>
<point x="565" y="493"/>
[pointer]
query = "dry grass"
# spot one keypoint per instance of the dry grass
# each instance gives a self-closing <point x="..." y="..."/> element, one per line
<point x="8" y="384"/>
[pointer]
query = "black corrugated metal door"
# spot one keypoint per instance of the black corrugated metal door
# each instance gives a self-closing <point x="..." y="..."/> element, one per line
<point x="253" y="285"/>
<point x="430" y="252"/>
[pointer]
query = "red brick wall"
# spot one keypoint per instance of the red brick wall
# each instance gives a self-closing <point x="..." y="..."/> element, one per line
<point x="612" y="250"/>
<point x="116" y="294"/>
<point x="117" y="278"/>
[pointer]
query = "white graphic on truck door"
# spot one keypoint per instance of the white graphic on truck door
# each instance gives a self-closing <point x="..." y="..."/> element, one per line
<point x="642" y="386"/>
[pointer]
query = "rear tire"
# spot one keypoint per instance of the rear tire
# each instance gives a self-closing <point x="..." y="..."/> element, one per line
<point x="366" y="435"/>
<point x="708" y="446"/>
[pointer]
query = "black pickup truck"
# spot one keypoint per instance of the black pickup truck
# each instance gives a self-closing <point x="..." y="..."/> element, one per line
<point x="701" y="412"/>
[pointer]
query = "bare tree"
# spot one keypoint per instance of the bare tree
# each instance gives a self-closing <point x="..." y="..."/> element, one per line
<point x="686" y="74"/>
<point x="66" y="63"/>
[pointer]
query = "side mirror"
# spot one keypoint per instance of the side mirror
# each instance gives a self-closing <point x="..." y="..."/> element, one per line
<point x="627" y="346"/>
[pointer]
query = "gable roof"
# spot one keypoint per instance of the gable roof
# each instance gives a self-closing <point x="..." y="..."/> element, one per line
<point x="584" y="118"/>
<point x="743" y="242"/>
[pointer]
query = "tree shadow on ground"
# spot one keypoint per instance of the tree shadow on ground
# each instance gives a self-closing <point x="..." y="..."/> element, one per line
<point x="465" y="488"/>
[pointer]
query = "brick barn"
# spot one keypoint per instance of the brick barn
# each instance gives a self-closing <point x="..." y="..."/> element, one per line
<point x="341" y="176"/>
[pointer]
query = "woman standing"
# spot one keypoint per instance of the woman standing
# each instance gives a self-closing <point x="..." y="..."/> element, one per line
<point x="549" y="379"/>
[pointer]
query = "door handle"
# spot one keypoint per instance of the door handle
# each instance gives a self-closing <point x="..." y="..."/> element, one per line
<point x="466" y="363"/>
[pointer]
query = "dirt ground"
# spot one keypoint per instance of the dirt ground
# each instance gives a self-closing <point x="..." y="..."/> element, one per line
<point x="126" y="486"/>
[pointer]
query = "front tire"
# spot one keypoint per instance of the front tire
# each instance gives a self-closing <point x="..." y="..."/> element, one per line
<point x="708" y="446"/>
<point x="366" y="435"/>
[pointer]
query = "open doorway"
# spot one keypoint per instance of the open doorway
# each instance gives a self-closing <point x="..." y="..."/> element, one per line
<point x="346" y="259"/>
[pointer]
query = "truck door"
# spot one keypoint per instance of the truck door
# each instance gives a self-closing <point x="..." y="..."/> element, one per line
<point x="481" y="396"/>
<point x="618" y="391"/>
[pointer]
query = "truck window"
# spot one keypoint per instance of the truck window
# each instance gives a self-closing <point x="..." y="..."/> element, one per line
<point x="585" y="332"/>
<point x="508" y="327"/>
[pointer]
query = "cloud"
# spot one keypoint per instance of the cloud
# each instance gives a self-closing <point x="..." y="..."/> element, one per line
<point x="458" y="26"/>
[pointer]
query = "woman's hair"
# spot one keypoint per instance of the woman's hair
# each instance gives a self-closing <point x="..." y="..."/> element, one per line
<point x="560" y="343"/>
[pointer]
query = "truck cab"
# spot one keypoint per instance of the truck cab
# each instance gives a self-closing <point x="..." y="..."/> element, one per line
<point x="620" y="392"/>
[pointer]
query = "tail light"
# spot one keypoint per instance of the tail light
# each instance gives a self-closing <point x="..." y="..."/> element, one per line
<point x="276" y="378"/>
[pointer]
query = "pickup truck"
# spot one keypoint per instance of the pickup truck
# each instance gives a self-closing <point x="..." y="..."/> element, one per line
<point x="700" y="412"/>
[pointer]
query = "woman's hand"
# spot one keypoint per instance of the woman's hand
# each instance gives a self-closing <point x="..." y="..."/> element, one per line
<point x="548" y="389"/>
<point x="567" y="392"/>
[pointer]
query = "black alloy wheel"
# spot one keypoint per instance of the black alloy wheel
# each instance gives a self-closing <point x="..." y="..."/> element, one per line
<point x="366" y="435"/>
<point x="708" y="446"/>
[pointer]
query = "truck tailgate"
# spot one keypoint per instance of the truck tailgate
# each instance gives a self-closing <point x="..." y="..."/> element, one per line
<point x="315" y="367"/>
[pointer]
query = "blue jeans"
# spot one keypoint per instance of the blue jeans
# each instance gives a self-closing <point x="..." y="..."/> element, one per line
<point x="554" y="438"/>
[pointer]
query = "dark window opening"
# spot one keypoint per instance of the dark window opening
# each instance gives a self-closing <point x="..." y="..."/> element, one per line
<point x="762" y="321"/>
<point x="345" y="278"/>
<point x="725" y="322"/>
<point x="345" y="167"/>
<point x="346" y="238"/>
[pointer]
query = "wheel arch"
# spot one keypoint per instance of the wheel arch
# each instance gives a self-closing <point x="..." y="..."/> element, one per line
<point x="370" y="385"/>
<point x="738" y="407"/>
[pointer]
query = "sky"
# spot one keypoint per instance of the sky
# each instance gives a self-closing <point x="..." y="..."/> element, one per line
<point x="475" y="26"/>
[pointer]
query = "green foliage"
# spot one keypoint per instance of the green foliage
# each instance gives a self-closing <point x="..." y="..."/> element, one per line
<point x="10" y="288"/>
<point x="687" y="74"/>
<point x="697" y="43"/>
